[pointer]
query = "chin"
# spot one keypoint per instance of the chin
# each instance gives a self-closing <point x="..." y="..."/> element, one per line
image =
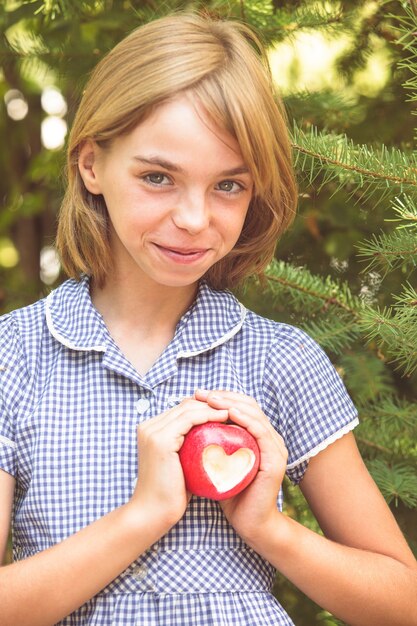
<point x="178" y="278"/>
<point x="176" y="282"/>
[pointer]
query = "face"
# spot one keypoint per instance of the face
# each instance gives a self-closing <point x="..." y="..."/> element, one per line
<point x="177" y="192"/>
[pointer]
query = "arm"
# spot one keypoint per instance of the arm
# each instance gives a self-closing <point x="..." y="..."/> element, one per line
<point x="362" y="570"/>
<point x="6" y="503"/>
<point x="75" y="569"/>
<point x="80" y="566"/>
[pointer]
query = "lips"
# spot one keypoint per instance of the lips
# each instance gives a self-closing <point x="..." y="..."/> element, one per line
<point x="182" y="255"/>
<point x="182" y="251"/>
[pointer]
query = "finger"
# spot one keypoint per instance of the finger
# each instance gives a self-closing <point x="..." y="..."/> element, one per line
<point x="258" y="425"/>
<point x="201" y="394"/>
<point x="174" y="424"/>
<point x="205" y="395"/>
<point x="226" y="399"/>
<point x="240" y="404"/>
<point x="246" y="412"/>
<point x="270" y="442"/>
<point x="182" y="409"/>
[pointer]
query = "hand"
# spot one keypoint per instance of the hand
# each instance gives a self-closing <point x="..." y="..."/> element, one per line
<point x="161" y="486"/>
<point x="255" y="508"/>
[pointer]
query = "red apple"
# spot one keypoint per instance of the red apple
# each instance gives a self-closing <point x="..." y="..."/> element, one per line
<point x="218" y="460"/>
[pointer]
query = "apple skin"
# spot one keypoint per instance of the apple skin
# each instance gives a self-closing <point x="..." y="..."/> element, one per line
<point x="231" y="438"/>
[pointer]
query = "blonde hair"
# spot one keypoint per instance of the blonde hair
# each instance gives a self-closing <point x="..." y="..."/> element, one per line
<point x="222" y="64"/>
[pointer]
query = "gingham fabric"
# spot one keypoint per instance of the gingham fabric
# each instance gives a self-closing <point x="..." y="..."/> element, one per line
<point x="70" y="403"/>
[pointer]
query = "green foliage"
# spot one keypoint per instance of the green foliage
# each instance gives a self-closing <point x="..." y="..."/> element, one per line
<point x="328" y="108"/>
<point x="301" y="286"/>
<point x="389" y="427"/>
<point x="332" y="309"/>
<point x="365" y="171"/>
<point x="370" y="335"/>
<point x="394" y="330"/>
<point x="366" y="375"/>
<point x="396" y="482"/>
<point x="284" y="21"/>
<point x="391" y="250"/>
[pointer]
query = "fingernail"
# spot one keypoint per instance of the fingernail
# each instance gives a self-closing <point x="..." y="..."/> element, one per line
<point x="203" y="393"/>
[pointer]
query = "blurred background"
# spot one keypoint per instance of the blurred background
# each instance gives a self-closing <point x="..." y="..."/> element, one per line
<point x="346" y="270"/>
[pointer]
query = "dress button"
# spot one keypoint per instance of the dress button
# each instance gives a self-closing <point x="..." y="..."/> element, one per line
<point x="139" y="572"/>
<point x="142" y="405"/>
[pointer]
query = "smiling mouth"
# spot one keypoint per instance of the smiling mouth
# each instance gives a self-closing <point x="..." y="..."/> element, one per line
<point x="182" y="254"/>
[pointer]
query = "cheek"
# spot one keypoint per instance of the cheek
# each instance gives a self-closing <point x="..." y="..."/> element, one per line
<point x="234" y="222"/>
<point x="125" y="205"/>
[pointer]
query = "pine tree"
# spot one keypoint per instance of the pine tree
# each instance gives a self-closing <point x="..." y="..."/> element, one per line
<point x="369" y="330"/>
<point x="372" y="343"/>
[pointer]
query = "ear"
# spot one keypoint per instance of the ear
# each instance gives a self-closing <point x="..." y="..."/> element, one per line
<point x="87" y="166"/>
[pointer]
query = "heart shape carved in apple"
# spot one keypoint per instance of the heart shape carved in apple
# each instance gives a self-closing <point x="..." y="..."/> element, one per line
<point x="219" y="460"/>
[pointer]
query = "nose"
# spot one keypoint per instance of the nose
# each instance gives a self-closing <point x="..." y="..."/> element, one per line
<point x="191" y="212"/>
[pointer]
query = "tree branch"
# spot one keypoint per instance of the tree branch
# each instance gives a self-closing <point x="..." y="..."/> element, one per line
<point x="355" y="168"/>
<point x="327" y="300"/>
<point x="372" y="444"/>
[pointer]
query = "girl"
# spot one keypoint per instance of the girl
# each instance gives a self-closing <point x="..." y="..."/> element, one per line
<point x="179" y="183"/>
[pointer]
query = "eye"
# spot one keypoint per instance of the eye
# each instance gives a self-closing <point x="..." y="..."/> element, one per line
<point x="229" y="186"/>
<point x="157" y="179"/>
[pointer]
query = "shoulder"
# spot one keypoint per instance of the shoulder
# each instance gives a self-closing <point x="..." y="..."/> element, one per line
<point x="303" y="394"/>
<point x="29" y="324"/>
<point x="274" y="343"/>
<point x="26" y="347"/>
<point x="294" y="365"/>
<point x="20" y="336"/>
<point x="283" y="341"/>
<point x="279" y="332"/>
<point x="21" y="326"/>
<point x="24" y="332"/>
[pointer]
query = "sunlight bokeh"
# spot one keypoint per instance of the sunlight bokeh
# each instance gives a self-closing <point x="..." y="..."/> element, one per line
<point x="309" y="64"/>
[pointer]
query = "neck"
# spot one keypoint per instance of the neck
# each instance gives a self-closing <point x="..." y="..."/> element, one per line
<point x="142" y="305"/>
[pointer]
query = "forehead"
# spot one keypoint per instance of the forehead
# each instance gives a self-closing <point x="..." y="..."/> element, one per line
<point x="180" y="126"/>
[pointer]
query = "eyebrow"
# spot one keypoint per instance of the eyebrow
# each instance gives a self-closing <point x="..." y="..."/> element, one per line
<point x="168" y="165"/>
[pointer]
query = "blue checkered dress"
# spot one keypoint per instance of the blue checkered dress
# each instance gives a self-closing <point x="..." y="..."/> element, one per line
<point x="70" y="403"/>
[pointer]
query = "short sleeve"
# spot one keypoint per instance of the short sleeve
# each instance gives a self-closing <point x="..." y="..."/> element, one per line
<point x="306" y="398"/>
<point x="13" y="380"/>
